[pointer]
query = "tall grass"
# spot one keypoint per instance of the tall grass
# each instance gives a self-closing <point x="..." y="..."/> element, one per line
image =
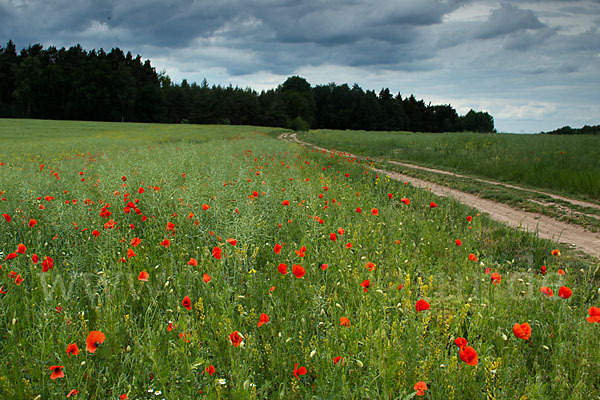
<point x="557" y="163"/>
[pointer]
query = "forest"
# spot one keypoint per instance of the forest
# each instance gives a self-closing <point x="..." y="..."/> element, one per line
<point x="77" y="84"/>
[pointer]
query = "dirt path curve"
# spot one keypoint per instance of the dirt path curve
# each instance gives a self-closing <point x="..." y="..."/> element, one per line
<point x="546" y="227"/>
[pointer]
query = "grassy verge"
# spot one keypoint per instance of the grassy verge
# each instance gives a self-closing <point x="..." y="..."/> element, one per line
<point x="587" y="217"/>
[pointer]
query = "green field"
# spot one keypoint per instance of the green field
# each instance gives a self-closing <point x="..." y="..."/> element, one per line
<point x="562" y="164"/>
<point x="93" y="189"/>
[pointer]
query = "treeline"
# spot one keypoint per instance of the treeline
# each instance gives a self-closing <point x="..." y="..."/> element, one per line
<point x="567" y="130"/>
<point x="77" y="84"/>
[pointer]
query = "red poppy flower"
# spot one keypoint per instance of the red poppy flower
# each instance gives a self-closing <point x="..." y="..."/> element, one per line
<point x="301" y="252"/>
<point x="285" y="203"/>
<point x="10" y="256"/>
<point x="298" y="270"/>
<point x="594" y="314"/>
<point x="324" y="266"/>
<point x="6" y="217"/>
<point x="543" y="269"/>
<point x="277" y="248"/>
<point x="341" y="231"/>
<point x="390" y="196"/>
<point x="123" y="396"/>
<point x="216" y="252"/>
<point x="564" y="292"/>
<point x="210" y="369"/>
<point x="72" y="349"/>
<point x="32" y="223"/>
<point x="19" y="280"/>
<point x="185" y="337"/>
<point x="344" y="321"/>
<point x="547" y="291"/>
<point x="358" y="210"/>
<point x="47" y="264"/>
<point x="231" y="241"/>
<point x="135" y="241"/>
<point x="472" y="257"/>
<point x="461" y="342"/>
<point x="35" y="258"/>
<point x="72" y="393"/>
<point x="333" y="237"/>
<point x="57" y="372"/>
<point x="432" y="205"/>
<point x="469" y="218"/>
<point x="94" y="339"/>
<point x="556" y="252"/>
<point x="370" y="266"/>
<point x="299" y="371"/>
<point x="130" y="253"/>
<point x="374" y="211"/>
<point x="469" y="355"/>
<point x="141" y="190"/>
<point x="49" y="198"/>
<point x="282" y="268"/>
<point x="561" y="271"/>
<point x="205" y="207"/>
<point x="338" y="359"/>
<point x="458" y="242"/>
<point x="193" y="262"/>
<point x="264" y="318"/>
<point x="166" y="243"/>
<point x="235" y="338"/>
<point x="405" y="200"/>
<point x="95" y="233"/>
<point x="422" y="305"/>
<point x="522" y="331"/>
<point x="496" y="278"/>
<point x="143" y="276"/>
<point x="365" y="284"/>
<point x="187" y="303"/>
<point x="206" y="278"/>
<point x="420" y="387"/>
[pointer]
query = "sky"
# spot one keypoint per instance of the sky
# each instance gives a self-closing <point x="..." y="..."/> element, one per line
<point x="534" y="65"/>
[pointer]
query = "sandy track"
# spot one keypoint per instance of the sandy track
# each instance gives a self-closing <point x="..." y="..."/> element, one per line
<point x="546" y="227"/>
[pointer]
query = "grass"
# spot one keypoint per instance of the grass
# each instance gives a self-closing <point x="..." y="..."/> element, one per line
<point x="561" y="164"/>
<point x="388" y="346"/>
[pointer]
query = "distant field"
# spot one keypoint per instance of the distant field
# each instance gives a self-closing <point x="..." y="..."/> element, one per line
<point x="565" y="164"/>
<point x="173" y="240"/>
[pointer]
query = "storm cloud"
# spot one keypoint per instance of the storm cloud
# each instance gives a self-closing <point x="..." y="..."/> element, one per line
<point x="532" y="64"/>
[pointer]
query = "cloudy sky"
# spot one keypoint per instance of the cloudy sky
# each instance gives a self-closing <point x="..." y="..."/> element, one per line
<point x="534" y="65"/>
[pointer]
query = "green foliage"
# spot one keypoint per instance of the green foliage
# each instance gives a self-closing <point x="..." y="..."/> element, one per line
<point x="567" y="130"/>
<point x="93" y="85"/>
<point x="298" y="125"/>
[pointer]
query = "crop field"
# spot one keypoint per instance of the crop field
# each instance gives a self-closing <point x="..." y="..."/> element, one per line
<point x="174" y="262"/>
<point x="562" y="164"/>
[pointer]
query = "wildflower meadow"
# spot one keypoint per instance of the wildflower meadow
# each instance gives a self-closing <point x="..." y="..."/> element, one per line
<point x="188" y="262"/>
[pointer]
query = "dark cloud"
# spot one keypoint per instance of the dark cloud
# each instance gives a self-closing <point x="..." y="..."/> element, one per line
<point x="508" y="19"/>
<point x="461" y="48"/>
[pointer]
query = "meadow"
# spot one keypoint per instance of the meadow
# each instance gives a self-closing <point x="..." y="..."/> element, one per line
<point x="218" y="262"/>
<point x="561" y="164"/>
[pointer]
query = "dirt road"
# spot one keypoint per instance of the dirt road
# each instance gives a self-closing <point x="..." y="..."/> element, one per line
<point x="546" y="227"/>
